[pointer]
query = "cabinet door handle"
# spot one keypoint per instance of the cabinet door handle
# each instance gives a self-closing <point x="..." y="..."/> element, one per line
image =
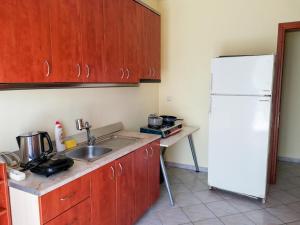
<point x="113" y="172"/>
<point x="48" y="68"/>
<point x="128" y="73"/>
<point x="79" y="70"/>
<point x="68" y="196"/>
<point x="121" y="169"/>
<point x="87" y="70"/>
<point x="123" y="73"/>
<point x="147" y="153"/>
<point x="152" y="152"/>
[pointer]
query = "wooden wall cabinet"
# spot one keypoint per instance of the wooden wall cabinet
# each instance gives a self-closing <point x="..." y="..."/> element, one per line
<point x="120" y="51"/>
<point x="78" y="41"/>
<point x="5" y="218"/>
<point x="149" y="42"/>
<point x="24" y="41"/>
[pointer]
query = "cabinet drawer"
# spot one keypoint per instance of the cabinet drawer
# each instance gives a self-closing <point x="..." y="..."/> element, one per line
<point x="78" y="215"/>
<point x="63" y="198"/>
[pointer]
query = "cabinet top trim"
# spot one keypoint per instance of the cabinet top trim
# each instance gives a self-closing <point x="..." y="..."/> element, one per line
<point x="26" y="86"/>
<point x="148" y="7"/>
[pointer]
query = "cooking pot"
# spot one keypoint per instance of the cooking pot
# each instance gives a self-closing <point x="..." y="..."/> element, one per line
<point x="169" y="120"/>
<point x="155" y="121"/>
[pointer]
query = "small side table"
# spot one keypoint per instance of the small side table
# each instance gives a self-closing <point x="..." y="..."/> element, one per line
<point x="168" y="142"/>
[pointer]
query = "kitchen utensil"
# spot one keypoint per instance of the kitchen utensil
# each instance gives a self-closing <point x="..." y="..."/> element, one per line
<point x="32" y="146"/>
<point x="52" y="166"/>
<point x="155" y="121"/>
<point x="169" y="120"/>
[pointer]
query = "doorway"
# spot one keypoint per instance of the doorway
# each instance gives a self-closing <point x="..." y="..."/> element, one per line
<point x="285" y="111"/>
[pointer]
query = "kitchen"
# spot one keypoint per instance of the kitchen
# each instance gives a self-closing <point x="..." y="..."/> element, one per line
<point x="192" y="34"/>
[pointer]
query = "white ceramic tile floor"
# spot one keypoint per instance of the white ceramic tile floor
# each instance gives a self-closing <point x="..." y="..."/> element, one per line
<point x="196" y="205"/>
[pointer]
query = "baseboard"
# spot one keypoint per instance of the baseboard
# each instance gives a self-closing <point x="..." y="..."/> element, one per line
<point x="288" y="159"/>
<point x="185" y="166"/>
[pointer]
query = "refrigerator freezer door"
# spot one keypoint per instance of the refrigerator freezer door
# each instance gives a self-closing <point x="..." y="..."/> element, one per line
<point x="238" y="144"/>
<point x="245" y="75"/>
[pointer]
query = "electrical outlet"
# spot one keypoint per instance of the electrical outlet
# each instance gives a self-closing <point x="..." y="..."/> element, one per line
<point x="169" y="98"/>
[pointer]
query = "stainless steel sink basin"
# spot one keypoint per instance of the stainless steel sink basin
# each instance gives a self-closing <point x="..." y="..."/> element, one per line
<point x="116" y="141"/>
<point x="88" y="153"/>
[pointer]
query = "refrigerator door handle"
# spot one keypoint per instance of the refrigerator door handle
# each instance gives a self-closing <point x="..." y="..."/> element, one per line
<point x="264" y="100"/>
<point x="210" y="105"/>
<point x="211" y="82"/>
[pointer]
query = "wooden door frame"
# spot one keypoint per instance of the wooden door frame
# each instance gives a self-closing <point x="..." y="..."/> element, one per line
<point x="283" y="28"/>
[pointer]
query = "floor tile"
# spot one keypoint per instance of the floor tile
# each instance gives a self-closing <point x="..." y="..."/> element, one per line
<point x="186" y="199"/>
<point x="295" y="206"/>
<point x="271" y="202"/>
<point x="162" y="203"/>
<point x="198" y="212"/>
<point x="244" y="204"/>
<point x="209" y="222"/>
<point x="149" y="219"/>
<point x="179" y="188"/>
<point x="208" y="196"/>
<point x="237" y="219"/>
<point x="295" y="192"/>
<point x="222" y="208"/>
<point x="294" y="223"/>
<point x="283" y="196"/>
<point x="173" y="217"/>
<point x="196" y="185"/>
<point x="284" y="213"/>
<point x="262" y="217"/>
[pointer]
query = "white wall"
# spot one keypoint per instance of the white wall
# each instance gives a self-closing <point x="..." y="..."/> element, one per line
<point x="290" y="106"/>
<point x="194" y="31"/>
<point x="22" y="111"/>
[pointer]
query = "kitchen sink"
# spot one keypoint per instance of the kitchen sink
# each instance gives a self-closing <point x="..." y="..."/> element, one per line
<point x="116" y="141"/>
<point x="88" y="153"/>
<point x="103" y="146"/>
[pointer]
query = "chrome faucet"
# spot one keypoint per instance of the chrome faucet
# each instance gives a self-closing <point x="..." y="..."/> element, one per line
<point x="80" y="125"/>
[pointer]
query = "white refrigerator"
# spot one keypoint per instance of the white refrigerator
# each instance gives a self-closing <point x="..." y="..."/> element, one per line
<point x="239" y="124"/>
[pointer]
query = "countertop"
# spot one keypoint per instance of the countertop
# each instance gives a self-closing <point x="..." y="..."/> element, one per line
<point x="39" y="185"/>
<point x="186" y="131"/>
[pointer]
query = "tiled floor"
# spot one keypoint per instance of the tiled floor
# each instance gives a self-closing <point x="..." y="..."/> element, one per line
<point x="196" y="205"/>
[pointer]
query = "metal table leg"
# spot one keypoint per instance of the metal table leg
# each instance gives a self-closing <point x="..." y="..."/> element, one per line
<point x="164" y="171"/>
<point x="193" y="152"/>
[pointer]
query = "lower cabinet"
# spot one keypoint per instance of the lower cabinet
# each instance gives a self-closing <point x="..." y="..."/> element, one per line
<point x="78" y="215"/>
<point x="146" y="178"/>
<point x="103" y="195"/>
<point x="154" y="172"/>
<point x="118" y="193"/>
<point x="112" y="193"/>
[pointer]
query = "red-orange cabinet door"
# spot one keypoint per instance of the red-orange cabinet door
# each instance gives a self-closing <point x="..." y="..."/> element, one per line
<point x="66" y="40"/>
<point x="130" y="38"/>
<point x="142" y="42"/>
<point x="114" y="70"/>
<point x="154" y="172"/>
<point x="141" y="184"/>
<point x="125" y="191"/>
<point x="156" y="46"/>
<point x="92" y="40"/>
<point x="103" y="195"/>
<point x="24" y="41"/>
<point x="80" y="214"/>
